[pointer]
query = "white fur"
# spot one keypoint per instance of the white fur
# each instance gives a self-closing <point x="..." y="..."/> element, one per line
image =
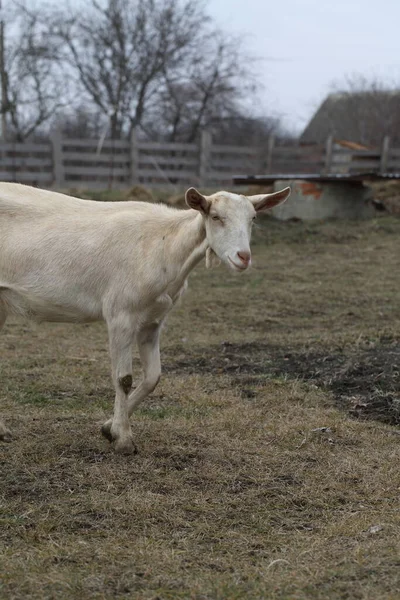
<point x="71" y="260"/>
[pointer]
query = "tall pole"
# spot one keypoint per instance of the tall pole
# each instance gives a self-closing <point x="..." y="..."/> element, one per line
<point x="3" y="78"/>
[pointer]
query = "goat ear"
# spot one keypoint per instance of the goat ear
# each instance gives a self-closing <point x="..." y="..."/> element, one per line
<point x="267" y="201"/>
<point x="197" y="201"/>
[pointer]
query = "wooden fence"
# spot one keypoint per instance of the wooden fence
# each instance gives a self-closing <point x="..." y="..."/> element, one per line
<point x="78" y="163"/>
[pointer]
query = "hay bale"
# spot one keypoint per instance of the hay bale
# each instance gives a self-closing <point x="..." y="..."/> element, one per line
<point x="387" y="195"/>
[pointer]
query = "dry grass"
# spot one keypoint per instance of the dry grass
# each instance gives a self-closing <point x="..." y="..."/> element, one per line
<point x="233" y="495"/>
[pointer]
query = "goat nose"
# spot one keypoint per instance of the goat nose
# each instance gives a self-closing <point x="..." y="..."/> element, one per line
<point x="244" y="256"/>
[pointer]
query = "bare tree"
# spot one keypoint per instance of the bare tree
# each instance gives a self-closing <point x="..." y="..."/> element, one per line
<point x="33" y="88"/>
<point x="215" y="76"/>
<point x="119" y="51"/>
<point x="154" y="64"/>
<point x="207" y="88"/>
<point x="244" y="128"/>
<point x="80" y="121"/>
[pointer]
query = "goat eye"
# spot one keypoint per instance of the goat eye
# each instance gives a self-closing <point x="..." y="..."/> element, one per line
<point x="215" y="218"/>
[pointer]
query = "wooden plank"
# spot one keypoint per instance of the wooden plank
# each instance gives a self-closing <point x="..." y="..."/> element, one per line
<point x="134" y="158"/>
<point x="97" y="171"/>
<point x="341" y="156"/>
<point x="312" y="160"/>
<point x="293" y="164"/>
<point x="167" y="173"/>
<point x="215" y="149"/>
<point x="298" y="151"/>
<point x="354" y="154"/>
<point x="316" y="160"/>
<point x="113" y="144"/>
<point x="27" y="162"/>
<point x="384" y="154"/>
<point x="96" y="184"/>
<point x="58" y="167"/>
<point x="168" y="147"/>
<point x="228" y="165"/>
<point x="168" y="160"/>
<point x="364" y="164"/>
<point x="92" y="157"/>
<point x="366" y="153"/>
<point x="341" y="160"/>
<point x="234" y="160"/>
<point x="27" y="177"/>
<point x="217" y="175"/>
<point x="25" y="147"/>
<point x="284" y="151"/>
<point x="93" y="143"/>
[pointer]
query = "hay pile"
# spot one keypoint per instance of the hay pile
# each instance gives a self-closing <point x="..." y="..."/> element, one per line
<point x="140" y="194"/>
<point x="386" y="194"/>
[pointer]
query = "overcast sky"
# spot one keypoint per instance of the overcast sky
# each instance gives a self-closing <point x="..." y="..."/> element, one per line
<point x="308" y="44"/>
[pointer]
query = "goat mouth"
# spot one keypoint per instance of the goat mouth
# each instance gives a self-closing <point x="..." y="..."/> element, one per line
<point x="238" y="267"/>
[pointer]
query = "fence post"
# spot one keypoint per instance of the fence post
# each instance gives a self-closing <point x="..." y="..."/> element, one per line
<point x="328" y="155"/>
<point x="270" y="150"/>
<point x="58" y="166"/>
<point x="204" y="156"/>
<point x="385" y="154"/>
<point x="134" y="158"/>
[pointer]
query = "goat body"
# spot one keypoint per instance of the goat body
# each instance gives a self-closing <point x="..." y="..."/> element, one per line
<point x="71" y="260"/>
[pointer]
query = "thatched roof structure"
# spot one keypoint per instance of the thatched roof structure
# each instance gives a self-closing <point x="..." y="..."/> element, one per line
<point x="363" y="117"/>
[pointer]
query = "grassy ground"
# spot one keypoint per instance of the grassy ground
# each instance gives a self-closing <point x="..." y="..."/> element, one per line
<point x="238" y="490"/>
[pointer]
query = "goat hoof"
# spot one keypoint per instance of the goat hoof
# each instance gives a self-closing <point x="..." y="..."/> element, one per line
<point x="126" y="447"/>
<point x="5" y="435"/>
<point x="106" y="431"/>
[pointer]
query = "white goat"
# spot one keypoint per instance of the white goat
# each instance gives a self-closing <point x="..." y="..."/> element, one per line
<point x="71" y="260"/>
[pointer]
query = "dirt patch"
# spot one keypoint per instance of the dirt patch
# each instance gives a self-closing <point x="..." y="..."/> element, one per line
<point x="365" y="381"/>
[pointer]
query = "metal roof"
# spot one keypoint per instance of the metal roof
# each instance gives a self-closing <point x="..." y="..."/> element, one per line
<point x="329" y="178"/>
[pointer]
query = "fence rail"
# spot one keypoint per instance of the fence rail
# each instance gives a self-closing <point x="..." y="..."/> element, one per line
<point x="66" y="163"/>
